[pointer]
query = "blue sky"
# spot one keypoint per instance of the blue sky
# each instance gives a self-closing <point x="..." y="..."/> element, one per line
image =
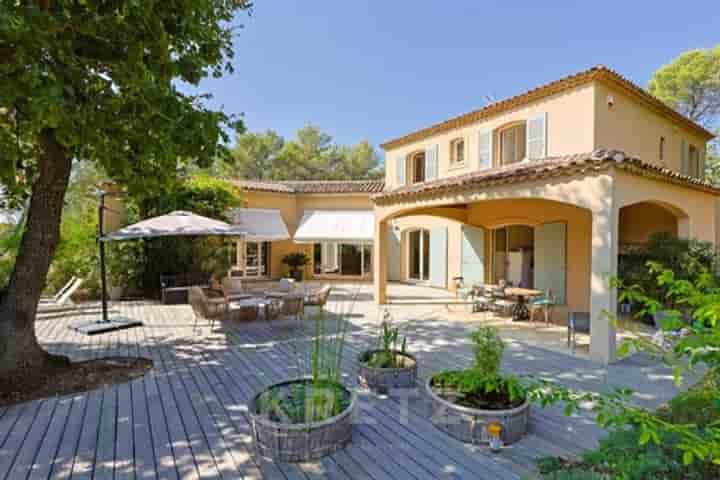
<point x="377" y="70"/>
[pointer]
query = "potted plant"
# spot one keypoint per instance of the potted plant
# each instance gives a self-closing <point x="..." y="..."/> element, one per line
<point x="389" y="365"/>
<point x="295" y="262"/>
<point x="308" y="417"/>
<point x="478" y="405"/>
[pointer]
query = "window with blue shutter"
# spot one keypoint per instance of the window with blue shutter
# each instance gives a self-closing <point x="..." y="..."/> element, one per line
<point x="431" y="162"/>
<point x="684" y="157"/>
<point x="536" y="146"/>
<point x="485" y="149"/>
<point x="400" y="170"/>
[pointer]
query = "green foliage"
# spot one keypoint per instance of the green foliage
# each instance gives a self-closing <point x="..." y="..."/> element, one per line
<point x="10" y="237"/>
<point x="623" y="456"/>
<point x="688" y="259"/>
<point x="691" y="84"/>
<point x="699" y="405"/>
<point x="303" y="401"/>
<point x="295" y="260"/>
<point x="312" y="156"/>
<point x="105" y="92"/>
<point x="488" y="349"/>
<point x="390" y="344"/>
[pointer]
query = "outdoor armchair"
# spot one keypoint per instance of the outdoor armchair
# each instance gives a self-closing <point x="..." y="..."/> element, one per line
<point x="209" y="309"/>
<point x="577" y="322"/>
<point x="232" y="288"/>
<point x="544" y="304"/>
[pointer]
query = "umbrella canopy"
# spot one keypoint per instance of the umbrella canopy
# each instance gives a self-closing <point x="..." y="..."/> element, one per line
<point x="178" y="223"/>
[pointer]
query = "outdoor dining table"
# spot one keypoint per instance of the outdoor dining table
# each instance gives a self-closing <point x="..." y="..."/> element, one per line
<point x="520" y="311"/>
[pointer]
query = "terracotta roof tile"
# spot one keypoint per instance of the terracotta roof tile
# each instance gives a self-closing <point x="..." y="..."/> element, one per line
<point x="314" y="186"/>
<point x="537" y="169"/>
<point x="599" y="72"/>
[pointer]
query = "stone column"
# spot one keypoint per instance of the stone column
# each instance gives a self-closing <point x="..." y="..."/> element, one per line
<point x="603" y="299"/>
<point x="380" y="270"/>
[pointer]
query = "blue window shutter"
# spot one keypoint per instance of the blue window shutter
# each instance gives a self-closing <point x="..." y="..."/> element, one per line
<point x="473" y="255"/>
<point x="400" y="170"/>
<point x="701" y="164"/>
<point x="438" y="256"/>
<point x="485" y="149"/>
<point x="536" y="137"/>
<point x="550" y="259"/>
<point x="684" y="157"/>
<point x="431" y="162"/>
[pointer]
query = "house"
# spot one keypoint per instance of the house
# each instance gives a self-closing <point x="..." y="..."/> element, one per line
<point x="543" y="190"/>
<point x="332" y="222"/>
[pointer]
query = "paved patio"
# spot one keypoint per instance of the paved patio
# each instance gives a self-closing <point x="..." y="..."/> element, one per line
<point x="188" y="417"/>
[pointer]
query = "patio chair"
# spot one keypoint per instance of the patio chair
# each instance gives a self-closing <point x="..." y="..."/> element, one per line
<point x="292" y="306"/>
<point x="64" y="302"/>
<point x="482" y="298"/>
<point x="233" y="290"/>
<point x="543" y="304"/>
<point x="286" y="285"/>
<point x="209" y="309"/>
<point x="318" y="299"/>
<point x="500" y="301"/>
<point x="59" y="293"/>
<point x="577" y="322"/>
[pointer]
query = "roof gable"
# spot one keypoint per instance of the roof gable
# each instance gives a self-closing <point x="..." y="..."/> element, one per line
<point x="597" y="73"/>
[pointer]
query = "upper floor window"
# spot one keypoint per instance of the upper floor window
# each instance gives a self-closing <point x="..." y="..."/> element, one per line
<point x="512" y="144"/>
<point x="457" y="152"/>
<point x="417" y="167"/>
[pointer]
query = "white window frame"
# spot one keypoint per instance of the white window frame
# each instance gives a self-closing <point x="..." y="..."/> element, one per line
<point x="241" y="259"/>
<point x="454" y="162"/>
<point x="338" y="258"/>
<point x="421" y="248"/>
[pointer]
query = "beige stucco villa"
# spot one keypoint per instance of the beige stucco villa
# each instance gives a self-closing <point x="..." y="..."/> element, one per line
<point x="542" y="190"/>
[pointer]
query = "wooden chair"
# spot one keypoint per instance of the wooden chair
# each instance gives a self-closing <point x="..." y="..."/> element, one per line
<point x="543" y="304"/>
<point x="209" y="309"/>
<point x="577" y="322"/>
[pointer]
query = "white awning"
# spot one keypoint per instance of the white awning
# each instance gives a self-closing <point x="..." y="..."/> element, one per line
<point x="260" y="224"/>
<point x="174" y="224"/>
<point x="336" y="226"/>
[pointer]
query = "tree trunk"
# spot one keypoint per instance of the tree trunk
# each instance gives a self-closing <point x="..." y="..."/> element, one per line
<point x="19" y="348"/>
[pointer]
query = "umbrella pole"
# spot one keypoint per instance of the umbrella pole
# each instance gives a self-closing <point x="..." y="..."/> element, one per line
<point x="103" y="273"/>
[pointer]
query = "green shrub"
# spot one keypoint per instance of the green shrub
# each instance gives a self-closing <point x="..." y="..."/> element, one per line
<point x="621" y="456"/>
<point x="700" y="405"/>
<point x="488" y="349"/>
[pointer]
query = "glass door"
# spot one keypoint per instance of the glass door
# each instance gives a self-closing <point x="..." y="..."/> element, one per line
<point x="419" y="255"/>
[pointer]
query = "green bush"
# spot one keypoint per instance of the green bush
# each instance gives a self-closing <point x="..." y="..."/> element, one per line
<point x="488" y="349"/>
<point x="700" y="405"/>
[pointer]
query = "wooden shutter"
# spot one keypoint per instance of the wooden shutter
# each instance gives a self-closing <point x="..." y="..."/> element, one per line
<point x="550" y="259"/>
<point x="701" y="164"/>
<point x="536" y="146"/>
<point x="485" y="149"/>
<point x="473" y="255"/>
<point x="438" y="257"/>
<point x="431" y="162"/>
<point x="400" y="170"/>
<point x="684" y="157"/>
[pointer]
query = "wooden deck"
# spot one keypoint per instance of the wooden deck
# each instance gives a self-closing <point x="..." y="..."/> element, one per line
<point x="188" y="417"/>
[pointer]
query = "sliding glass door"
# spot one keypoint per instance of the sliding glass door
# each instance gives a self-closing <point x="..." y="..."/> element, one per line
<point x="419" y="255"/>
<point x="346" y="259"/>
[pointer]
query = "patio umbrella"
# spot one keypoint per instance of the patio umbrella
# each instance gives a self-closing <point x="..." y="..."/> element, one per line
<point x="174" y="224"/>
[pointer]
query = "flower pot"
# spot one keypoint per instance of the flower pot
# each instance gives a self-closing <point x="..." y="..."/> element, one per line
<point x="299" y="442"/>
<point x="469" y="425"/>
<point x="297" y="275"/>
<point x="385" y="379"/>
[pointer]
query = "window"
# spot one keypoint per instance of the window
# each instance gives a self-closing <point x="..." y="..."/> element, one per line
<point x="252" y="259"/>
<point x="693" y="162"/>
<point x="417" y="166"/>
<point x="348" y="259"/>
<point x="661" y="153"/>
<point x="457" y="151"/>
<point x="512" y="144"/>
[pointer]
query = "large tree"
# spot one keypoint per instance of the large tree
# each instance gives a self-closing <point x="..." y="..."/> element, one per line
<point x="691" y="85"/>
<point x="97" y="81"/>
<point x="311" y="156"/>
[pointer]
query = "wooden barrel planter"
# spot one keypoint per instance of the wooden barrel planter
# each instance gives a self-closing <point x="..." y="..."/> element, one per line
<point x="384" y="379"/>
<point x="469" y="425"/>
<point x="299" y="442"/>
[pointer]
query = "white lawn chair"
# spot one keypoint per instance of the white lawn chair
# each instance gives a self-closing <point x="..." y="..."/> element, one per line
<point x="64" y="302"/>
<point x="59" y="293"/>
